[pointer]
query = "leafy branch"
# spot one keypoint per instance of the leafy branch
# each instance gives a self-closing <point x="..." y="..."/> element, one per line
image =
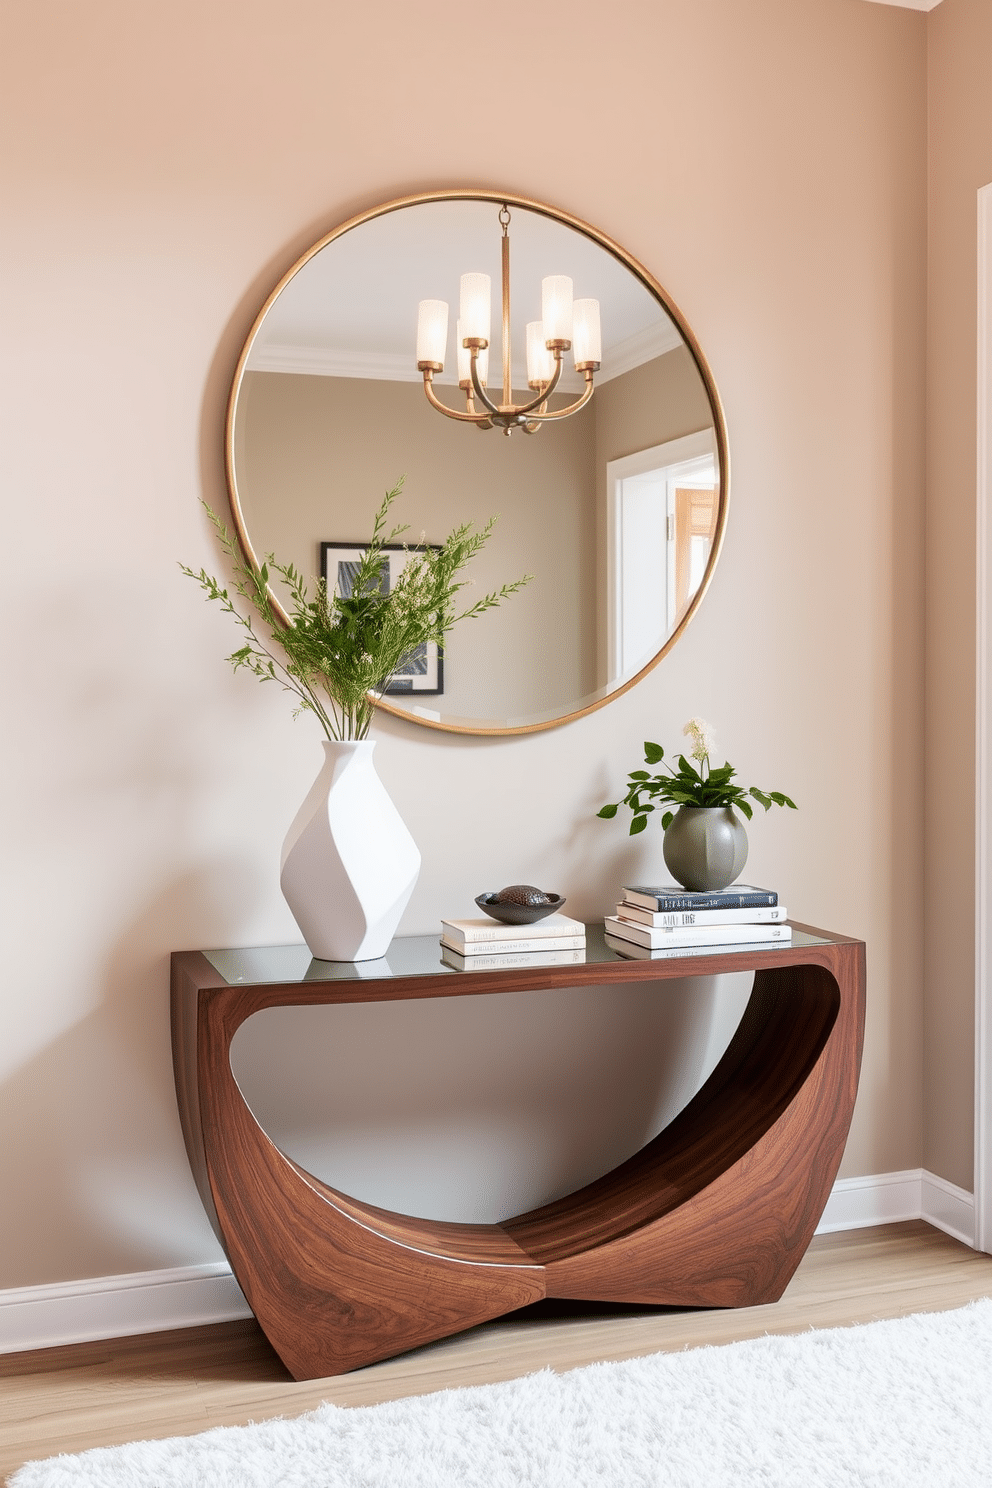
<point x="339" y="651"/>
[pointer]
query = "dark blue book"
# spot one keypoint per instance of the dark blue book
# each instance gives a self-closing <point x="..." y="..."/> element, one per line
<point x="670" y="896"/>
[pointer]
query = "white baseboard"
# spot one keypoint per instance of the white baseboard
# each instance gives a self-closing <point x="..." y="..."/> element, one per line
<point x="118" y="1306"/>
<point x="154" y="1301"/>
<point x="948" y="1207"/>
<point x="886" y="1198"/>
<point x="879" y="1198"/>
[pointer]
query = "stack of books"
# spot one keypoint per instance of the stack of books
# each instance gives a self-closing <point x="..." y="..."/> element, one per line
<point x="664" y="918"/>
<point x="477" y="945"/>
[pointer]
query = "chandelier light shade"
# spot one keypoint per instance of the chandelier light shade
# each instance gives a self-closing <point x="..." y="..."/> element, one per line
<point x="540" y="361"/>
<point x="564" y="325"/>
<point x="556" y="309"/>
<point x="432" y="332"/>
<point x="587" y="341"/>
<point x="475" y="307"/>
<point x="464" y="357"/>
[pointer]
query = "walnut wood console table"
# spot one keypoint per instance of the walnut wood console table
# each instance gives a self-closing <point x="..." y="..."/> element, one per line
<point x="716" y="1211"/>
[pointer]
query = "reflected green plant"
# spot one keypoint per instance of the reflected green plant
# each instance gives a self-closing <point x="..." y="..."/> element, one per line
<point x="338" y="652"/>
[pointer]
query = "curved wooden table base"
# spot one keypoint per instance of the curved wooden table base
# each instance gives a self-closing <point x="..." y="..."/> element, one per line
<point x="716" y="1211"/>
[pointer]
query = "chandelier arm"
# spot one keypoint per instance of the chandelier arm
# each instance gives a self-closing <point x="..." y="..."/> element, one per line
<point x="560" y="413"/>
<point x="530" y="427"/>
<point x="453" y="413"/>
<point x="546" y="392"/>
<point x="481" y="393"/>
<point x="485" y="421"/>
<point x="516" y="408"/>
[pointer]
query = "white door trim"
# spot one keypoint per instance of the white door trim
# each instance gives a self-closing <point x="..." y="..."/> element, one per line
<point x="983" y="752"/>
<point x="672" y="452"/>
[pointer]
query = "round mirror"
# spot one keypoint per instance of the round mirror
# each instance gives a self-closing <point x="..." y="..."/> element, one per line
<point x="615" y="507"/>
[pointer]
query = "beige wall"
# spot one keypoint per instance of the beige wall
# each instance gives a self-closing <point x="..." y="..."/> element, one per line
<point x="661" y="400"/>
<point x="960" y="47"/>
<point x="169" y="164"/>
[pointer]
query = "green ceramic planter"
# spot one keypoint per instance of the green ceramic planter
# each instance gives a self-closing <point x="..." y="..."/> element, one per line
<point x="705" y="847"/>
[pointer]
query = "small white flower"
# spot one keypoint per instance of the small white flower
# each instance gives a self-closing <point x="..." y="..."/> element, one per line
<point x="703" y="741"/>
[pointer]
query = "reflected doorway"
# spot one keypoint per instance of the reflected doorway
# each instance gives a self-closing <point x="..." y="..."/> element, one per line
<point x="661" y="509"/>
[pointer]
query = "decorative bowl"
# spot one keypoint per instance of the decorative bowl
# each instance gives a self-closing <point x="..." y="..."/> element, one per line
<point x="520" y="904"/>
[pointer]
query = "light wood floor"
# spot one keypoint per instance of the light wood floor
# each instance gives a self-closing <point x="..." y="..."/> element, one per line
<point x="168" y="1384"/>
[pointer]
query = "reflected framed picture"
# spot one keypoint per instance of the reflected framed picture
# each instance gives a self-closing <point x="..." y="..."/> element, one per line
<point x="422" y="671"/>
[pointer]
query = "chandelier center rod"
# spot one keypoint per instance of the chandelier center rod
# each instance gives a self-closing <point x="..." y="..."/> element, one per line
<point x="507" y="370"/>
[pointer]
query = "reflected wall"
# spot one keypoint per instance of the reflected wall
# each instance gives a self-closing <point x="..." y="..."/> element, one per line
<point x="315" y="455"/>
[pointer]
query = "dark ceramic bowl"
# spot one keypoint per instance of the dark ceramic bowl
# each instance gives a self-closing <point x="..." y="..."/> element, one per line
<point x="509" y="913"/>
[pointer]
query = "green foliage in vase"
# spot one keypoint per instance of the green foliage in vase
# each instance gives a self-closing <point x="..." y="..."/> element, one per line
<point x="338" y="653"/>
<point x="687" y="785"/>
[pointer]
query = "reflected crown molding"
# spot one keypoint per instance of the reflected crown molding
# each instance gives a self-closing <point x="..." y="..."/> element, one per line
<point x="909" y="4"/>
<point x="326" y="361"/>
<point x="381" y="366"/>
<point x="642" y="346"/>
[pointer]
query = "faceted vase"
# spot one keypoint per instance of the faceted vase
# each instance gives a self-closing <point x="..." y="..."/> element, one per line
<point x="349" y="865"/>
<point x="705" y="847"/>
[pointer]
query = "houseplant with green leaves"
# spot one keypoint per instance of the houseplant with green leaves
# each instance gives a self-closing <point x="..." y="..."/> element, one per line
<point x="705" y="843"/>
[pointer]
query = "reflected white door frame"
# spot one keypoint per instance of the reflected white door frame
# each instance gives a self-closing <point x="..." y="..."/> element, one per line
<point x="983" y="715"/>
<point x="651" y="559"/>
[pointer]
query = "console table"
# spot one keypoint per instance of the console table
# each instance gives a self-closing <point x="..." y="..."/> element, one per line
<point x="716" y="1211"/>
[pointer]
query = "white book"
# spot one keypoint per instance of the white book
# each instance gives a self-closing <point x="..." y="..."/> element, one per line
<point x="656" y="937"/>
<point x="632" y="952"/>
<point x="488" y="960"/>
<point x="474" y="948"/>
<point x="675" y="919"/>
<point x="486" y="931"/>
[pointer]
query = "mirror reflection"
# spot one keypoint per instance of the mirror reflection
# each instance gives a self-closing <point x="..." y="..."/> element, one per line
<point x="616" y="510"/>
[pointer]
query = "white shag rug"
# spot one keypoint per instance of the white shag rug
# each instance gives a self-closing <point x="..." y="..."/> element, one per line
<point x="901" y="1404"/>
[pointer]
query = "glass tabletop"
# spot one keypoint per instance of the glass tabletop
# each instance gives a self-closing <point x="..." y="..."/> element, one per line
<point x="423" y="955"/>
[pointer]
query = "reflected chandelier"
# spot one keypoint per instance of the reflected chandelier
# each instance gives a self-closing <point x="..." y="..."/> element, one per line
<point x="565" y="324"/>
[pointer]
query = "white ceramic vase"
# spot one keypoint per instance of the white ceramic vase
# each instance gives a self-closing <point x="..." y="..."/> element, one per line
<point x="349" y="865"/>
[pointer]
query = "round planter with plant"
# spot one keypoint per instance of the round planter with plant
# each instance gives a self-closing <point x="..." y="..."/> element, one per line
<point x="705" y="843"/>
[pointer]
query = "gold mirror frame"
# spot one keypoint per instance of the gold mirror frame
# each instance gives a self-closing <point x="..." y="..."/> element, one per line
<point x="555" y="214"/>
